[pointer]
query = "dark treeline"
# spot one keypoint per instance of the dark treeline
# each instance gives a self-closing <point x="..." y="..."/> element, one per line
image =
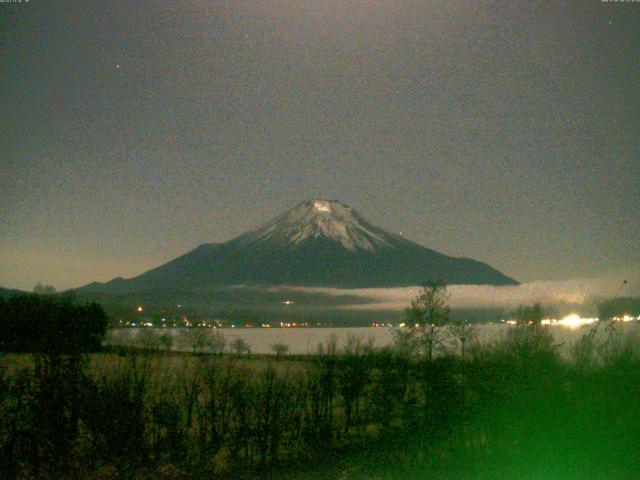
<point x="50" y="324"/>
<point x="512" y="409"/>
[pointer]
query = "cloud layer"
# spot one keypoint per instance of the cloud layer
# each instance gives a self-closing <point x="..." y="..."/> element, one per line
<point x="581" y="291"/>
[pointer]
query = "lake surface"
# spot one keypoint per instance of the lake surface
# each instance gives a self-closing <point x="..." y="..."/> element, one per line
<point x="306" y="340"/>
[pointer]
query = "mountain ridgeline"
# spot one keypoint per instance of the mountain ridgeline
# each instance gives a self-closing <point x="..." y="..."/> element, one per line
<point x="318" y="243"/>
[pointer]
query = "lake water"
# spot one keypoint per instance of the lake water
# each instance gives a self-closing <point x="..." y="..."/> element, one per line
<point x="306" y="340"/>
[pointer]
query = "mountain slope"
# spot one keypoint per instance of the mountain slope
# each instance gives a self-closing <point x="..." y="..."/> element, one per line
<point x="317" y="243"/>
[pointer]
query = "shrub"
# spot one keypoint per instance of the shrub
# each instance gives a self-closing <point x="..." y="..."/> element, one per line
<point x="527" y="343"/>
<point x="239" y="346"/>
<point x="280" y="349"/>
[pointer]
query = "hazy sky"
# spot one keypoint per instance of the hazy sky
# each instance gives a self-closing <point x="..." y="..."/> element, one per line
<point x="131" y="132"/>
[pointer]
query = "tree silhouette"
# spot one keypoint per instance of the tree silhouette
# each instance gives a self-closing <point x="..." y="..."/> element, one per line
<point x="425" y="317"/>
<point x="240" y="346"/>
<point x="50" y="324"/>
<point x="280" y="350"/>
<point x="41" y="289"/>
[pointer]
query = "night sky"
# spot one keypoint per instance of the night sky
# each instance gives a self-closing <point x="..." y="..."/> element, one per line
<point x="131" y="132"/>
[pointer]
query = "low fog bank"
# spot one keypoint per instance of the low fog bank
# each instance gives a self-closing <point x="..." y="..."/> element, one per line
<point x="582" y="294"/>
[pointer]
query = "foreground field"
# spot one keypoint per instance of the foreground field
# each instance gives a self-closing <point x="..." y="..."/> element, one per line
<point x="513" y="409"/>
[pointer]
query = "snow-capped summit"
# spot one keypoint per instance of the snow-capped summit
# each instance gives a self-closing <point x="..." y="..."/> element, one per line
<point x="321" y="219"/>
<point x="316" y="243"/>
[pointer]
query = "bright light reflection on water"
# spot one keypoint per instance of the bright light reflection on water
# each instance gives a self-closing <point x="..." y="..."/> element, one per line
<point x="572" y="321"/>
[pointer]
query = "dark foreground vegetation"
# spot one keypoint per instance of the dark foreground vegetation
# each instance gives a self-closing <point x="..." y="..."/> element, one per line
<point x="50" y="324"/>
<point x="512" y="409"/>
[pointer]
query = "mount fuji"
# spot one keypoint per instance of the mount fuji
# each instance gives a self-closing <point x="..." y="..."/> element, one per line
<point x="317" y="243"/>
